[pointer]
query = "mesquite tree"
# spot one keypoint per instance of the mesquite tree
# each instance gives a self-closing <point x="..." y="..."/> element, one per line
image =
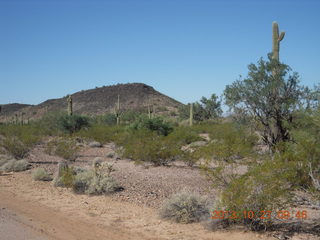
<point x="255" y="96"/>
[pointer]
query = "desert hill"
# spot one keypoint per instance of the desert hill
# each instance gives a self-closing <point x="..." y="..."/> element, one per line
<point x="133" y="96"/>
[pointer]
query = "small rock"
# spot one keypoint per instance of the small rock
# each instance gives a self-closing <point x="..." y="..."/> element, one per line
<point x="111" y="155"/>
<point x="95" y="144"/>
<point x="198" y="144"/>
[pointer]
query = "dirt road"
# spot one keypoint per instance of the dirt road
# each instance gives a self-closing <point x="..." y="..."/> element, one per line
<point x="40" y="211"/>
<point x="26" y="220"/>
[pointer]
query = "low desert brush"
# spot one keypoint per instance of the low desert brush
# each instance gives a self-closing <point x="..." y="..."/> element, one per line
<point x="65" y="148"/>
<point x="15" y="166"/>
<point x="185" y="207"/>
<point x="40" y="174"/>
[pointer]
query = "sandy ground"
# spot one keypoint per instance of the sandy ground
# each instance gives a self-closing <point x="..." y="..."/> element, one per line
<point x="13" y="226"/>
<point x="37" y="210"/>
<point x="59" y="214"/>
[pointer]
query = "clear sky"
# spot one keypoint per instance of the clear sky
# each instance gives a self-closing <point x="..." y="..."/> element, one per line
<point x="185" y="49"/>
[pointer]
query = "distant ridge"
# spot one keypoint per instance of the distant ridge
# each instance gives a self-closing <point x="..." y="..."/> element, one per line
<point x="100" y="100"/>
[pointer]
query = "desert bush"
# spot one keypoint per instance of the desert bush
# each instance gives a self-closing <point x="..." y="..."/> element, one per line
<point x="73" y="123"/>
<point x="189" y="158"/>
<point x="129" y="116"/>
<point x="204" y="110"/>
<point x="63" y="147"/>
<point x="265" y="187"/>
<point x="66" y="178"/>
<point x="185" y="207"/>
<point x="147" y="146"/>
<point x="156" y="124"/>
<point x="108" y="118"/>
<point x="15" y="147"/>
<point x="95" y="181"/>
<point x="4" y="159"/>
<point x="184" y="135"/>
<point x="228" y="143"/>
<point x="19" y="140"/>
<point x="40" y="174"/>
<point x="49" y="123"/>
<point x="15" y="166"/>
<point x="101" y="133"/>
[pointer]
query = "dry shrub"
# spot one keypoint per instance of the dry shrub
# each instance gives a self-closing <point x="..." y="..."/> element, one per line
<point x="185" y="207"/>
<point x="40" y="174"/>
<point x="15" y="166"/>
<point x="15" y="147"/>
<point x="65" y="148"/>
<point x="96" y="180"/>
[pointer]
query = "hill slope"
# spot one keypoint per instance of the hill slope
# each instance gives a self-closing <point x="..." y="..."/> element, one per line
<point x="133" y="96"/>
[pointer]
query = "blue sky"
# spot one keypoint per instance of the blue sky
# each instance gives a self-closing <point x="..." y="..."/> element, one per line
<point x="183" y="48"/>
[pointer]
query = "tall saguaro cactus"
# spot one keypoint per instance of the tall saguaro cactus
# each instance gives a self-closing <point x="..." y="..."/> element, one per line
<point x="117" y="111"/>
<point x="70" y="111"/>
<point x="276" y="39"/>
<point x="191" y="115"/>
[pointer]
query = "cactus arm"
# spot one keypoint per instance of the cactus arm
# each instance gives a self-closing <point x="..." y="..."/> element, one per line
<point x="276" y="40"/>
<point x="281" y="36"/>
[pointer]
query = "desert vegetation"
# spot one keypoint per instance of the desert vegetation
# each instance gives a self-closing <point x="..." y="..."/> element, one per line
<point x="258" y="156"/>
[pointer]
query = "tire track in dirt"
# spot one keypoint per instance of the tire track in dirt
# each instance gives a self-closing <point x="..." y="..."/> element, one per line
<point x="46" y="223"/>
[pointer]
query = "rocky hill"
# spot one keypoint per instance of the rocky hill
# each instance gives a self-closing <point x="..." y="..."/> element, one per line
<point x="133" y="96"/>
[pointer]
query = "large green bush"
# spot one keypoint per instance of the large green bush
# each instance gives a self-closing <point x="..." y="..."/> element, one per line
<point x="156" y="124"/>
<point x="73" y="123"/>
<point x="19" y="140"/>
<point x="265" y="187"/>
<point x="101" y="133"/>
<point x="145" y="145"/>
<point x="228" y="143"/>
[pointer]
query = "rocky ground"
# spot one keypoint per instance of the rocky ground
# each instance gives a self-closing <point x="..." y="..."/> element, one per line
<point x="128" y="214"/>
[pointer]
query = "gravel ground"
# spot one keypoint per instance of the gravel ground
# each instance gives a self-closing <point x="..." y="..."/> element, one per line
<point x="144" y="185"/>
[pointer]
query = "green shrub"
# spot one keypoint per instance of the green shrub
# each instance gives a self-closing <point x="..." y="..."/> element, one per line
<point x="40" y="174"/>
<point x="265" y="187"/>
<point x="101" y="133"/>
<point x="228" y="143"/>
<point x="66" y="179"/>
<point x="108" y="118"/>
<point x="65" y="148"/>
<point x="19" y="140"/>
<point x="49" y="123"/>
<point x="154" y="124"/>
<point x="147" y="146"/>
<point x="73" y="123"/>
<point x="15" y="166"/>
<point x="15" y="147"/>
<point x="184" y="135"/>
<point x="130" y="116"/>
<point x="185" y="208"/>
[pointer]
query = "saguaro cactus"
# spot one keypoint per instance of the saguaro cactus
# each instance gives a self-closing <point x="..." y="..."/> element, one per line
<point x="117" y="111"/>
<point x="191" y="115"/>
<point x="276" y="39"/>
<point x="70" y="112"/>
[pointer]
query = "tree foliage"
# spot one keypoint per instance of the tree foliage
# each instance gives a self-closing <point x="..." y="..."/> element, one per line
<point x="270" y="94"/>
<point x="204" y="110"/>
